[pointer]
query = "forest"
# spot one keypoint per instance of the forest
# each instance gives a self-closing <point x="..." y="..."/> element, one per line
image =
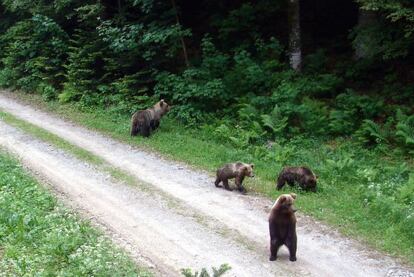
<point x="277" y="68"/>
<point x="329" y="84"/>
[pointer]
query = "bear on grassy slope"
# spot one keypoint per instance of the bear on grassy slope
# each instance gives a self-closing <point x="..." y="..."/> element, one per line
<point x="301" y="175"/>
<point x="234" y="170"/>
<point x="146" y="121"/>
<point x="282" y="226"/>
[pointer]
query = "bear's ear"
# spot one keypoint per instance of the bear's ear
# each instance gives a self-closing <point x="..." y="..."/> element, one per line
<point x="282" y="199"/>
<point x="162" y="102"/>
<point x="293" y="195"/>
<point x="252" y="165"/>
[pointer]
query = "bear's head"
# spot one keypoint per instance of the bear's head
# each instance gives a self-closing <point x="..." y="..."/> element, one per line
<point x="284" y="203"/>
<point x="311" y="182"/>
<point x="163" y="107"/>
<point x="247" y="170"/>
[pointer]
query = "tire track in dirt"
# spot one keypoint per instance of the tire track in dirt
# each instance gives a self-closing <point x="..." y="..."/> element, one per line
<point x="321" y="252"/>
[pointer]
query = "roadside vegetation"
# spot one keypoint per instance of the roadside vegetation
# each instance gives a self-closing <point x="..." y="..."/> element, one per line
<point x="363" y="192"/>
<point x="38" y="236"/>
<point x="333" y="92"/>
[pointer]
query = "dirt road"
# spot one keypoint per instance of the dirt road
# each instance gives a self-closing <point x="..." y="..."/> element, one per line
<point x="183" y="220"/>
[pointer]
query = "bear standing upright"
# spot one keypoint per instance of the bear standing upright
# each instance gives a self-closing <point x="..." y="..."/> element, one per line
<point x="282" y="226"/>
<point x="234" y="170"/>
<point x="143" y="122"/>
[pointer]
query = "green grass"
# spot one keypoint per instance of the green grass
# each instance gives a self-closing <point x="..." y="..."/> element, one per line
<point x="360" y="190"/>
<point x="39" y="237"/>
<point x="51" y="138"/>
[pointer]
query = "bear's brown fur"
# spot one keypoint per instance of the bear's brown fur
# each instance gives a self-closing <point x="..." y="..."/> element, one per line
<point x="234" y="170"/>
<point x="143" y="122"/>
<point x="301" y="175"/>
<point x="282" y="226"/>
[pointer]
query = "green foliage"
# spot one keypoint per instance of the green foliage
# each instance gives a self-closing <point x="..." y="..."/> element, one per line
<point x="38" y="236"/>
<point x="406" y="192"/>
<point x="275" y="121"/>
<point x="391" y="35"/>
<point x="405" y="131"/>
<point x="351" y="109"/>
<point x="381" y="40"/>
<point x="372" y="133"/>
<point x="398" y="11"/>
<point x="34" y="52"/>
<point x="126" y="55"/>
<point x="216" y="272"/>
<point x="84" y="68"/>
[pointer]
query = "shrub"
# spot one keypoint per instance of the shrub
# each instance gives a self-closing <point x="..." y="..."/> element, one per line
<point x="35" y="50"/>
<point x="405" y="131"/>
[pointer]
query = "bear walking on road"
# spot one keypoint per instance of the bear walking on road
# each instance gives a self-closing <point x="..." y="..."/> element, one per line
<point x="146" y="121"/>
<point x="234" y="170"/>
<point x="282" y="226"/>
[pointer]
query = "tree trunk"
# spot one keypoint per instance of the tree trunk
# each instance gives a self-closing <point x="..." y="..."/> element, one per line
<point x="183" y="46"/>
<point x="362" y="42"/>
<point x="119" y="7"/>
<point x="295" y="51"/>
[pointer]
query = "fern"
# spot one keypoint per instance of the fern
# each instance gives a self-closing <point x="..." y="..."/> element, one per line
<point x="372" y="133"/>
<point x="405" y="131"/>
<point x="275" y="121"/>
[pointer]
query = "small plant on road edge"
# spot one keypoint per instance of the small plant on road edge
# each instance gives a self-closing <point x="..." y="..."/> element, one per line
<point x="187" y="272"/>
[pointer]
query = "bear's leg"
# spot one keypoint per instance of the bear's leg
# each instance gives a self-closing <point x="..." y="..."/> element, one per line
<point x="152" y="124"/>
<point x="217" y="182"/>
<point x="291" y="243"/>
<point x="274" y="247"/>
<point x="226" y="184"/>
<point x="280" y="182"/>
<point x="145" y="131"/>
<point x="134" y="127"/>
<point x="275" y="243"/>
<point x="239" y="184"/>
<point x="303" y="185"/>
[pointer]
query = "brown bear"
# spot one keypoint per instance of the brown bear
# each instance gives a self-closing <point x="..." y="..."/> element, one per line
<point x="282" y="226"/>
<point x="301" y="175"/>
<point x="143" y="122"/>
<point x="234" y="170"/>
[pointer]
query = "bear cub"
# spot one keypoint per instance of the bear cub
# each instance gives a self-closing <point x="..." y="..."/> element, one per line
<point x="146" y="121"/>
<point x="301" y="175"/>
<point x="234" y="170"/>
<point x="282" y="226"/>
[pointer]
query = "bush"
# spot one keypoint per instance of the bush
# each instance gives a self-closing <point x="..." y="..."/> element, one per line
<point x="405" y="131"/>
<point x="35" y="50"/>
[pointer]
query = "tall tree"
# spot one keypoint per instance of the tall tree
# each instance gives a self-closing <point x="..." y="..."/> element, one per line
<point x="362" y="43"/>
<point x="184" y="47"/>
<point x="295" y="51"/>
